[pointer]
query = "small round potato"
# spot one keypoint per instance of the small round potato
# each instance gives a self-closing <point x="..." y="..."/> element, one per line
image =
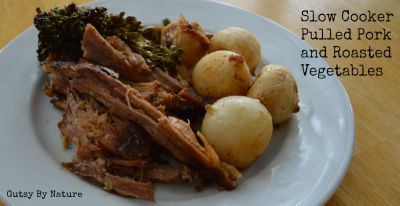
<point x="188" y="36"/>
<point x="220" y="74"/>
<point x="239" y="129"/>
<point x="276" y="89"/>
<point x="240" y="41"/>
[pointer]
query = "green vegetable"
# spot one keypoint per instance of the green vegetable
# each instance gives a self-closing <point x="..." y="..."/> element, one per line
<point x="61" y="30"/>
<point x="166" y="21"/>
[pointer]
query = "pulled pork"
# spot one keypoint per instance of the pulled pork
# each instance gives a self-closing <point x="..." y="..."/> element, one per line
<point x="124" y="119"/>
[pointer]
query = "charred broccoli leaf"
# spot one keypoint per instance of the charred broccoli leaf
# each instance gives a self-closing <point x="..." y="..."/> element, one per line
<point x="166" y="21"/>
<point x="61" y="29"/>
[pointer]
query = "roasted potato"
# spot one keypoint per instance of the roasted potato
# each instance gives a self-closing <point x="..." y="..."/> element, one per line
<point x="240" y="41"/>
<point x="220" y="74"/>
<point x="188" y="36"/>
<point x="239" y="128"/>
<point x="276" y="89"/>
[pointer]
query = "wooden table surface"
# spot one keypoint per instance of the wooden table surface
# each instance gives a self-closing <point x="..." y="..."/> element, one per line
<point x="374" y="174"/>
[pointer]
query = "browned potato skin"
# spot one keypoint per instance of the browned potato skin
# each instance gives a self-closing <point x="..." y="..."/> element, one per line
<point x="276" y="89"/>
<point x="188" y="36"/>
<point x="240" y="41"/>
<point x="220" y="74"/>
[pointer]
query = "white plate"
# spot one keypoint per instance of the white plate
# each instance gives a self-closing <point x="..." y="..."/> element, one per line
<point x="303" y="165"/>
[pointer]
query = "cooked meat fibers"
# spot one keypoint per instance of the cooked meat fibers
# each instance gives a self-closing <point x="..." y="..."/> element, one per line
<point x="155" y="172"/>
<point x="116" y="54"/>
<point x="96" y="132"/>
<point x="130" y="181"/>
<point x="130" y="65"/>
<point x="124" y="101"/>
<point x="114" y="152"/>
<point x="96" y="171"/>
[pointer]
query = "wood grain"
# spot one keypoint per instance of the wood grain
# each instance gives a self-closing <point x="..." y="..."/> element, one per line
<point x="373" y="177"/>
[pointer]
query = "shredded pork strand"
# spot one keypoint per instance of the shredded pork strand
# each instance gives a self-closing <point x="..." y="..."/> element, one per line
<point x="128" y="101"/>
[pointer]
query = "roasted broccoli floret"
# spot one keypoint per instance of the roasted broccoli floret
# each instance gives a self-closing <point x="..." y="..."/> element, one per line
<point x="61" y="30"/>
